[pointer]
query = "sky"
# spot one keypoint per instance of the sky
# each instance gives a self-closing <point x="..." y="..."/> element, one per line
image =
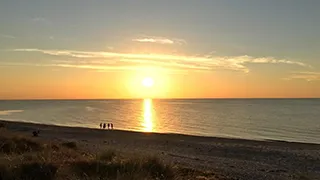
<point x="80" y="49"/>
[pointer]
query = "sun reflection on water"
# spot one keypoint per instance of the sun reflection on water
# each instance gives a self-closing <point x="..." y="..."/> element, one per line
<point x="147" y="115"/>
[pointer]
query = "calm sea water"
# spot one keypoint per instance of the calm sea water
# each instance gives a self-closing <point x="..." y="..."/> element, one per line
<point x="279" y="119"/>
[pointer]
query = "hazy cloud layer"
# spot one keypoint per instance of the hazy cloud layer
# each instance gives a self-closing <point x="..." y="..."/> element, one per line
<point x="306" y="75"/>
<point x="113" y="60"/>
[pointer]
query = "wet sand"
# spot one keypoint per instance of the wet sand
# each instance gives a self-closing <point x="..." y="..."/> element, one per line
<point x="229" y="158"/>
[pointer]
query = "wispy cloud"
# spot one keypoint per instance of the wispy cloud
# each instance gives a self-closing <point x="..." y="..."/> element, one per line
<point x="41" y="20"/>
<point x="159" y="40"/>
<point x="98" y="67"/>
<point x="88" y="60"/>
<point x="7" y="36"/>
<point x="306" y="75"/>
<point x="152" y="40"/>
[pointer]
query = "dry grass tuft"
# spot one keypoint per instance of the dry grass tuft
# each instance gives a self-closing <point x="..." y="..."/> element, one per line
<point x="108" y="155"/>
<point x="146" y="168"/>
<point x="18" y="145"/>
<point x="2" y="125"/>
<point x="34" y="171"/>
<point x="71" y="145"/>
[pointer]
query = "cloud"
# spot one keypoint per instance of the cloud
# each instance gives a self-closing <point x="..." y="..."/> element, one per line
<point x="7" y="36"/>
<point x="152" y="40"/>
<point x="41" y="20"/>
<point x="159" y="40"/>
<point x="99" y="68"/>
<point x="88" y="59"/>
<point x="306" y="75"/>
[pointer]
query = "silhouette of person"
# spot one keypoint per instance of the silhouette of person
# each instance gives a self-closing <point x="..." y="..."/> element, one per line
<point x="100" y="125"/>
<point x="104" y="125"/>
<point x="108" y="125"/>
<point x="111" y="126"/>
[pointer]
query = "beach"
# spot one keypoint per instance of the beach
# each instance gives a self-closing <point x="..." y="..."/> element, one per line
<point x="229" y="158"/>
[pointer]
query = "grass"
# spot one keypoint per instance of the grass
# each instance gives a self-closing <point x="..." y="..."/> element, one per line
<point x="107" y="155"/>
<point x="18" y="145"/>
<point x="32" y="159"/>
<point x="71" y="145"/>
<point x="140" y="168"/>
<point x="2" y="125"/>
<point x="28" y="171"/>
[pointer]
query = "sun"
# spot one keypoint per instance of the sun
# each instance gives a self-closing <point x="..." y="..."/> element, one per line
<point x="147" y="82"/>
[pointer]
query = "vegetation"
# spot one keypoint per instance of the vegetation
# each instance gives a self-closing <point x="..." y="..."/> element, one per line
<point x="71" y="145"/>
<point x="2" y="125"/>
<point x="108" y="155"/>
<point x="32" y="159"/>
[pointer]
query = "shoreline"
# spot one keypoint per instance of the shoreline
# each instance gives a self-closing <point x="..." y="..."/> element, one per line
<point x="216" y="138"/>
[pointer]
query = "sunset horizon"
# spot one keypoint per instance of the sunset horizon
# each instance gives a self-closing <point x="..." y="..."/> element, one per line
<point x="55" y="50"/>
<point x="159" y="89"/>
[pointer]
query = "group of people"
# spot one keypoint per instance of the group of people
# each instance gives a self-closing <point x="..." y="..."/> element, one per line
<point x="104" y="125"/>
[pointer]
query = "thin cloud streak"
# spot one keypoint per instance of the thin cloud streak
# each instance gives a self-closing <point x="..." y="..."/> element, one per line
<point x="166" y="64"/>
<point x="305" y="75"/>
<point x="160" y="40"/>
<point x="205" y="63"/>
<point x="99" y="68"/>
<point x="151" y="40"/>
<point x="7" y="36"/>
<point x="41" y="20"/>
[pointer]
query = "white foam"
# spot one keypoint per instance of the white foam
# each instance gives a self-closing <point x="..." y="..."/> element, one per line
<point x="9" y="112"/>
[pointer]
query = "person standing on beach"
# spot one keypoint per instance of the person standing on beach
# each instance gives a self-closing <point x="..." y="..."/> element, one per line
<point x="108" y="125"/>
<point x="100" y="125"/>
<point x="111" y="125"/>
<point x="104" y="125"/>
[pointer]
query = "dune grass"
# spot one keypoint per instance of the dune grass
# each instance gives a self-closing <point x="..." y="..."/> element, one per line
<point x="29" y="158"/>
<point x="107" y="155"/>
<point x="71" y="145"/>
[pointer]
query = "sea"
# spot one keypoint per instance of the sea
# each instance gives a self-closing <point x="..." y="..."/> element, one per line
<point x="296" y="120"/>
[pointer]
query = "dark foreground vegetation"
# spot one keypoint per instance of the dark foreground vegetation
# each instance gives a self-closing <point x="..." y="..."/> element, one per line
<point x="30" y="158"/>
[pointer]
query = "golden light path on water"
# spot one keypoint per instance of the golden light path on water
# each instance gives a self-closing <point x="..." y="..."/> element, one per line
<point x="147" y="123"/>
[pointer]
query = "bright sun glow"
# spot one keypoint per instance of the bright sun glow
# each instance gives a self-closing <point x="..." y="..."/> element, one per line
<point x="147" y="82"/>
<point x="147" y="116"/>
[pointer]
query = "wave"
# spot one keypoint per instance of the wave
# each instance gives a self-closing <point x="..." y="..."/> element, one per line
<point x="88" y="108"/>
<point x="9" y="112"/>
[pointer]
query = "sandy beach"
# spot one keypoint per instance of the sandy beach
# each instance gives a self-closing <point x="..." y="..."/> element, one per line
<point x="230" y="158"/>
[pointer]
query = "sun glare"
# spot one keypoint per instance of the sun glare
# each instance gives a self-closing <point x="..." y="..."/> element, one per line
<point x="147" y="115"/>
<point x="147" y="82"/>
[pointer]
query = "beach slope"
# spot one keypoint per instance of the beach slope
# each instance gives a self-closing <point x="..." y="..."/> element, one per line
<point x="229" y="158"/>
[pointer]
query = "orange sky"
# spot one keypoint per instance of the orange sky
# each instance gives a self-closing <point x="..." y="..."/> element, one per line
<point x="192" y="49"/>
<point x="45" y="83"/>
